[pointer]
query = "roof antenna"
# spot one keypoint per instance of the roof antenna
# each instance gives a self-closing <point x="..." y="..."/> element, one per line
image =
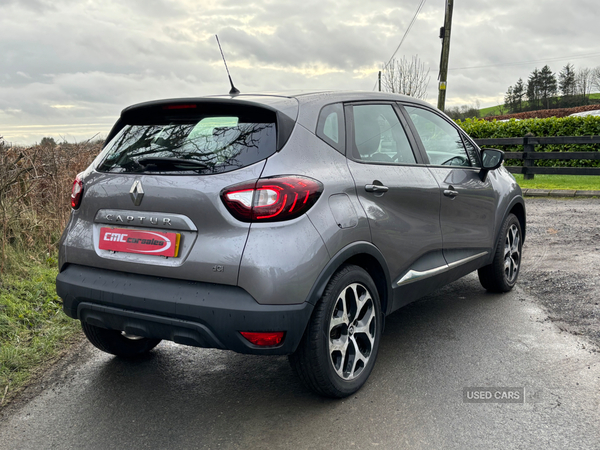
<point x="234" y="90"/>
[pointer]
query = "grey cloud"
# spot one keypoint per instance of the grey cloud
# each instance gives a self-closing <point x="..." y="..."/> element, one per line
<point x="341" y="46"/>
<point x="32" y="5"/>
<point x="163" y="9"/>
<point x="88" y="60"/>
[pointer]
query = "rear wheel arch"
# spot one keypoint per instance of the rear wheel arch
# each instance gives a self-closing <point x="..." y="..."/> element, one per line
<point x="502" y="273"/>
<point x="339" y="347"/>
<point x="518" y="209"/>
<point x="375" y="270"/>
<point x="362" y="254"/>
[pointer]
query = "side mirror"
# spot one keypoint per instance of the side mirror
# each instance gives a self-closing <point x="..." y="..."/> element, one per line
<point x="492" y="159"/>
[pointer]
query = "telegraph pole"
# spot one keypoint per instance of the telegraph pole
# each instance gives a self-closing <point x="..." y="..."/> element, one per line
<point x="445" y="35"/>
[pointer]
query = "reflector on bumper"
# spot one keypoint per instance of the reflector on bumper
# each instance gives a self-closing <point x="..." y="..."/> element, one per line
<point x="267" y="339"/>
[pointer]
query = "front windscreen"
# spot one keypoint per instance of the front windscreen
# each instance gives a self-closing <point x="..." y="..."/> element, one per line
<point x="200" y="145"/>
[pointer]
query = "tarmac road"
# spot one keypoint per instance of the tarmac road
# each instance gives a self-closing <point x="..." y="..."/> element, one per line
<point x="460" y="337"/>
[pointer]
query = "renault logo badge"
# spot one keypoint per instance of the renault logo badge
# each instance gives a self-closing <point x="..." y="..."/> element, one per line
<point x="136" y="192"/>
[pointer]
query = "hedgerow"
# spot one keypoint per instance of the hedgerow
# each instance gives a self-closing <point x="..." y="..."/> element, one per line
<point x="564" y="126"/>
<point x="35" y="186"/>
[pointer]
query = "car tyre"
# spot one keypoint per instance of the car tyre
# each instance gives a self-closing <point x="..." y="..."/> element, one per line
<point x="501" y="275"/>
<point x="117" y="343"/>
<point x="338" y="349"/>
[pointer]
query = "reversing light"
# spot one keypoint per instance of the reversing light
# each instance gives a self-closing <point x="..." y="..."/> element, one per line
<point x="272" y="199"/>
<point x="266" y="339"/>
<point x="77" y="192"/>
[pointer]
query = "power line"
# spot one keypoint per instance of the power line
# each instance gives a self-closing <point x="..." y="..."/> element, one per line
<point x="404" y="37"/>
<point x="521" y="63"/>
<point x="412" y="22"/>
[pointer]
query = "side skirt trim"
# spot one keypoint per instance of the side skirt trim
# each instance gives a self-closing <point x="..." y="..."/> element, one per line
<point x="413" y="275"/>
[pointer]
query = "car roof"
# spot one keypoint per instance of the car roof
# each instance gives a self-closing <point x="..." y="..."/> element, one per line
<point x="283" y="100"/>
<point x="325" y="96"/>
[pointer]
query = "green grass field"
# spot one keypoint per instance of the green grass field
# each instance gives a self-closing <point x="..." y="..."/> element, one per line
<point x="490" y="111"/>
<point x="576" y="182"/>
<point x="495" y="110"/>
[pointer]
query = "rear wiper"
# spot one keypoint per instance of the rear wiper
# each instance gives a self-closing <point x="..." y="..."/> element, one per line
<point x="172" y="163"/>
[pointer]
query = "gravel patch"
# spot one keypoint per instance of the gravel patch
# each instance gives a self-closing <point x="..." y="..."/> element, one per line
<point x="561" y="262"/>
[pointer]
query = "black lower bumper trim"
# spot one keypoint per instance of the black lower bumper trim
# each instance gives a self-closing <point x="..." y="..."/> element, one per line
<point x="190" y="313"/>
<point x="148" y="325"/>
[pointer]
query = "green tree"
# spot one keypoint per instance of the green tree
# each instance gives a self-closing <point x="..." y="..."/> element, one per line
<point x="518" y="95"/>
<point x="509" y="100"/>
<point x="513" y="99"/>
<point x="547" y="86"/>
<point x="533" y="90"/>
<point x="567" y="85"/>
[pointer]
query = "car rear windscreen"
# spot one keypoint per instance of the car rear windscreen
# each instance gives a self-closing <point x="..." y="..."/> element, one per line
<point x="191" y="143"/>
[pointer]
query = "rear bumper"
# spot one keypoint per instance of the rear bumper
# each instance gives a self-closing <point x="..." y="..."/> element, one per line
<point x="191" y="313"/>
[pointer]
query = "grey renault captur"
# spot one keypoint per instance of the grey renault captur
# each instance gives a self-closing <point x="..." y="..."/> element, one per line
<point x="282" y="225"/>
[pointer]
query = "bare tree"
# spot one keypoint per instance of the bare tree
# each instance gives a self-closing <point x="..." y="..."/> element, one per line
<point x="583" y="81"/>
<point x="596" y="78"/>
<point x="464" y="112"/>
<point x="406" y="77"/>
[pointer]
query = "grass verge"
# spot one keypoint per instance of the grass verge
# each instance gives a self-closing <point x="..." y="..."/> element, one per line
<point x="35" y="186"/>
<point x="570" y="182"/>
<point x="33" y="328"/>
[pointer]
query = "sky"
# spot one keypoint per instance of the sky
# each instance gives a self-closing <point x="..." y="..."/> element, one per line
<point x="68" y="67"/>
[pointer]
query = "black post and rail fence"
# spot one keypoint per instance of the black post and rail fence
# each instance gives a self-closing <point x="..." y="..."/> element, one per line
<point x="530" y="156"/>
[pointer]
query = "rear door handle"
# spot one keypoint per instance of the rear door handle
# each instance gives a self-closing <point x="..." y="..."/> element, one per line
<point x="450" y="193"/>
<point x="376" y="188"/>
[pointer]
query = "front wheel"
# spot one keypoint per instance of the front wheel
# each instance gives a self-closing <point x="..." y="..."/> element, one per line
<point x="501" y="275"/>
<point x="339" y="347"/>
<point x="118" y="343"/>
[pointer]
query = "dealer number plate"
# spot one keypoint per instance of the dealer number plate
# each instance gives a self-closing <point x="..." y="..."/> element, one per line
<point x="139" y="241"/>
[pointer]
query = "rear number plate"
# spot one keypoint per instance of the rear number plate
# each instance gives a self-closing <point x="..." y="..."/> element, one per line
<point x="139" y="241"/>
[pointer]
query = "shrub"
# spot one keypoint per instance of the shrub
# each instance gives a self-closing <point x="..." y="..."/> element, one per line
<point x="35" y="185"/>
<point x="565" y="126"/>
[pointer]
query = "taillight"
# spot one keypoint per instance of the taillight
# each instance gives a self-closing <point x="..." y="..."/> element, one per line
<point x="77" y="192"/>
<point x="271" y="199"/>
<point x="265" y="339"/>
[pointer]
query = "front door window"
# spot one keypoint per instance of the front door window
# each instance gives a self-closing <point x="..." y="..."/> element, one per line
<point x="442" y="142"/>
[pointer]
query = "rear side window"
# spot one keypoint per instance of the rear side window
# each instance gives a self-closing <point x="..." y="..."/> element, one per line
<point x="379" y="136"/>
<point x="195" y="144"/>
<point x="330" y="127"/>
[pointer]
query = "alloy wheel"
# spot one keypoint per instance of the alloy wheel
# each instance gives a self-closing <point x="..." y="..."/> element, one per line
<point x="352" y="331"/>
<point x="512" y="253"/>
